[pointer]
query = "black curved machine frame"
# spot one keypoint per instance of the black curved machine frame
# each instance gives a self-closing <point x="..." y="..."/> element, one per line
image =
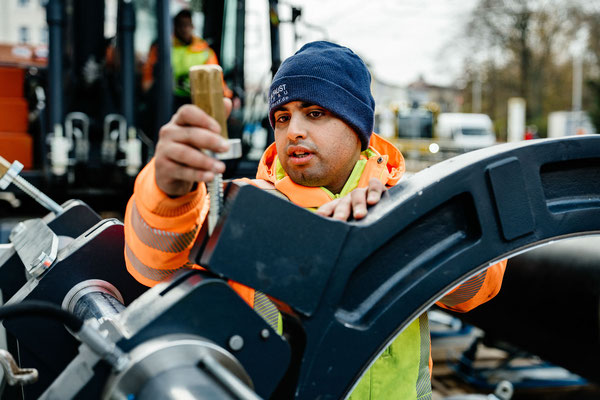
<point x="356" y="285"/>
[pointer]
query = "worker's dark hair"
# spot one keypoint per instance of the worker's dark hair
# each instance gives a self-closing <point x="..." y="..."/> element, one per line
<point x="185" y="13"/>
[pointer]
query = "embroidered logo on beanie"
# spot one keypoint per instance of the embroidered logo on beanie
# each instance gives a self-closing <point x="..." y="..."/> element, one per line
<point x="331" y="76"/>
<point x="279" y="95"/>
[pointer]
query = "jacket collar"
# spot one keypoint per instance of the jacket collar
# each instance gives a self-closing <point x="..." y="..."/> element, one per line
<point x="381" y="160"/>
<point x="196" y="43"/>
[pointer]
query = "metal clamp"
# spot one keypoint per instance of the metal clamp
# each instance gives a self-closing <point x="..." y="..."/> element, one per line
<point x="111" y="139"/>
<point x="36" y="244"/>
<point x="11" y="173"/>
<point x="235" y="150"/>
<point x="78" y="134"/>
<point x="15" y="375"/>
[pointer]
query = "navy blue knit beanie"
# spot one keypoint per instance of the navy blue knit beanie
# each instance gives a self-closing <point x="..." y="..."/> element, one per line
<point x="330" y="76"/>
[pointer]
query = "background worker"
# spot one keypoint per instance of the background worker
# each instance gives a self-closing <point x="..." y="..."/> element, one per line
<point x="325" y="157"/>
<point x="187" y="50"/>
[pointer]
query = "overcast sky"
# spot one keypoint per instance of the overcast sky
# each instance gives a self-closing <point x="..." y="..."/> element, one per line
<point x="400" y="39"/>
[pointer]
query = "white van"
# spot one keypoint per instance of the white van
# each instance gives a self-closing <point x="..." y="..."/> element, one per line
<point x="470" y="131"/>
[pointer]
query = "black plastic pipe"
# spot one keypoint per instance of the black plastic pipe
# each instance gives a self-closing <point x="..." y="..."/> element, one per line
<point x="126" y="31"/>
<point x="274" y="30"/>
<point x="164" y="81"/>
<point x="55" y="18"/>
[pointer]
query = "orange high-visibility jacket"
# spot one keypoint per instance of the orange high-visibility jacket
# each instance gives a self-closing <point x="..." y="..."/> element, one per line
<point x="160" y="231"/>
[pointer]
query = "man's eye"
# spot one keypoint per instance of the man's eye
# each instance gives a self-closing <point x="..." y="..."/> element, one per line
<point x="315" y="113"/>
<point x="282" y="118"/>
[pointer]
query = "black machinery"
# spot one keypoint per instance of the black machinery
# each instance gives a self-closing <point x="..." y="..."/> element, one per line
<point x="352" y="286"/>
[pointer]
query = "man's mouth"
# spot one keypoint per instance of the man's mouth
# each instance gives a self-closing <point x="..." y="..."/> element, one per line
<point x="299" y="155"/>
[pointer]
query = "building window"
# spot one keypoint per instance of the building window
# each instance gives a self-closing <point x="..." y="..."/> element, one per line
<point x="44" y="35"/>
<point x="23" y="3"/>
<point x="23" y="34"/>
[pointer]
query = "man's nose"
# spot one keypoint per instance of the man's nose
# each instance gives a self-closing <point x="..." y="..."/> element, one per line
<point x="296" y="128"/>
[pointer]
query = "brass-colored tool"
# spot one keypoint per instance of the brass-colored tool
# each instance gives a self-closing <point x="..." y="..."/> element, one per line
<point x="206" y="85"/>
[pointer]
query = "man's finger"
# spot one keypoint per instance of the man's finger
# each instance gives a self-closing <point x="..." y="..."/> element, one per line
<point x="190" y="115"/>
<point x="327" y="209"/>
<point x="342" y="209"/>
<point x="184" y="173"/>
<point x="359" y="203"/>
<point x="198" y="138"/>
<point x="191" y="157"/>
<point x="374" y="191"/>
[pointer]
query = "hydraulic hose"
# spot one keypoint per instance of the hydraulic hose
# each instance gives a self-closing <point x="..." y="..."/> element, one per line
<point x="102" y="346"/>
<point x="36" y="308"/>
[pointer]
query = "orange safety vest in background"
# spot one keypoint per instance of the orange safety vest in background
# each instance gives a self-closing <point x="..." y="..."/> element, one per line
<point x="160" y="231"/>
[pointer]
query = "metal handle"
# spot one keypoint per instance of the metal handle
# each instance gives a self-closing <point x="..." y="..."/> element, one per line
<point x="206" y="84"/>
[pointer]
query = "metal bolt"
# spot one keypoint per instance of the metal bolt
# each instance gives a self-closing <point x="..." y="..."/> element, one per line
<point x="236" y="342"/>
<point x="39" y="260"/>
<point x="265" y="334"/>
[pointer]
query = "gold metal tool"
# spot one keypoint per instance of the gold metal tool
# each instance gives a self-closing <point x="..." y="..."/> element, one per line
<point x="206" y="85"/>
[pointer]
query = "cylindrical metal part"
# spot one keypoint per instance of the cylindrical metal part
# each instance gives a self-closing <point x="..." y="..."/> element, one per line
<point x="97" y="305"/>
<point x="37" y="195"/>
<point x="174" y="366"/>
<point x="94" y="298"/>
<point x="9" y="174"/>
<point x="188" y="382"/>
<point x="206" y="84"/>
<point x="215" y="188"/>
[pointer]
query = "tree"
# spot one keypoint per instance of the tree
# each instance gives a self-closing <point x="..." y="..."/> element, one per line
<point x="521" y="48"/>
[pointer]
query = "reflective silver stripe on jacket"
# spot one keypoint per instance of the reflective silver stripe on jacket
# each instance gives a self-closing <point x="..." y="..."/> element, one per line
<point x="466" y="291"/>
<point x="424" y="391"/>
<point x="150" y="273"/>
<point x="166" y="241"/>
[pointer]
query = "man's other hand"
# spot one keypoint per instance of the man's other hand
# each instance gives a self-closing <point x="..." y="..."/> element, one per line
<point x="179" y="159"/>
<point x="355" y="203"/>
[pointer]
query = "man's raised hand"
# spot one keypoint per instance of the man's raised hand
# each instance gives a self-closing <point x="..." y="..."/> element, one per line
<point x="179" y="159"/>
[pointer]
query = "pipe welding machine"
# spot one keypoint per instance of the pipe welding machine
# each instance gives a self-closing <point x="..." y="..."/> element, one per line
<point x="73" y="313"/>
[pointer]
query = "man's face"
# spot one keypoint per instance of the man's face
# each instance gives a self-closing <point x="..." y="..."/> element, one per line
<point x="314" y="147"/>
<point x="184" y="29"/>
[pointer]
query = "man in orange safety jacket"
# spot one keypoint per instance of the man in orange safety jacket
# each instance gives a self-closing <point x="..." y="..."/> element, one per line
<point x="187" y="50"/>
<point x="325" y="157"/>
